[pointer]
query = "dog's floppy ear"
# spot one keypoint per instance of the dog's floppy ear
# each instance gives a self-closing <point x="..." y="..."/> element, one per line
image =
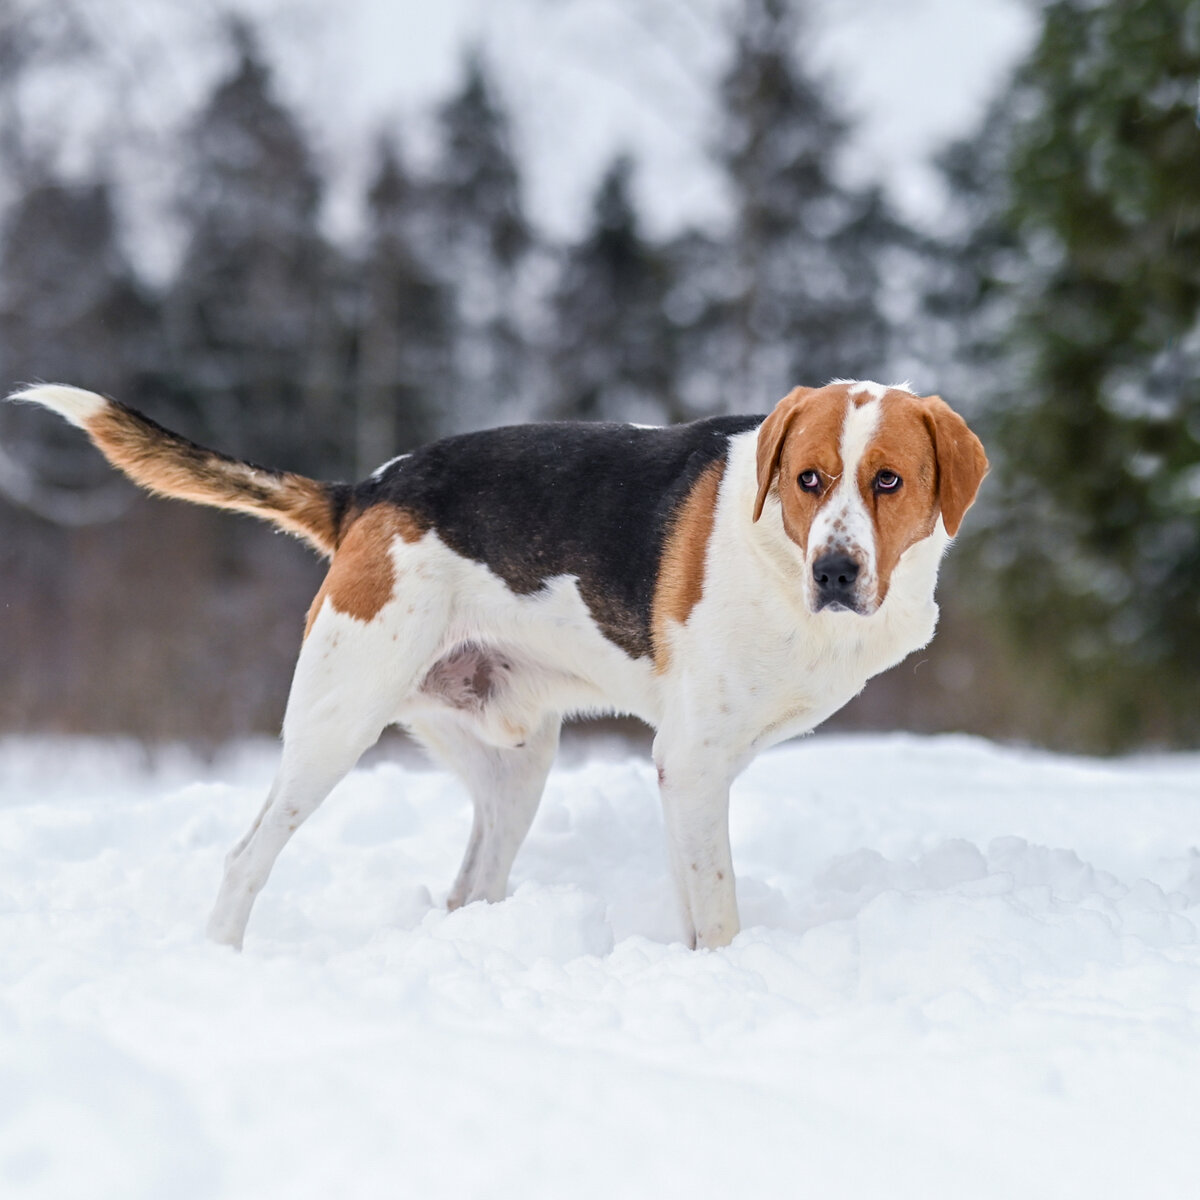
<point x="961" y="462"/>
<point x="770" y="440"/>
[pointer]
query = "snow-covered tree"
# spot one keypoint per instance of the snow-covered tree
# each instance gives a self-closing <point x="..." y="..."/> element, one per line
<point x="613" y="346"/>
<point x="480" y="241"/>
<point x="71" y="308"/>
<point x="254" y="335"/>
<point x="1081" y="285"/>
<point x="801" y="281"/>
<point x="403" y="376"/>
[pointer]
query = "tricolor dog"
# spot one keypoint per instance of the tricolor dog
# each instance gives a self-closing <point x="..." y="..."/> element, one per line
<point x="732" y="582"/>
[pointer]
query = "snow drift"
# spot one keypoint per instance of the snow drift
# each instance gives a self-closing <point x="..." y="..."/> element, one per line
<point x="966" y="971"/>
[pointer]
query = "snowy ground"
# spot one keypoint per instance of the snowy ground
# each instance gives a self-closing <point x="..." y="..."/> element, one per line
<point x="967" y="972"/>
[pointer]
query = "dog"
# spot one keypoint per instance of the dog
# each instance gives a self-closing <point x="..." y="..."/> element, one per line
<point x="732" y="582"/>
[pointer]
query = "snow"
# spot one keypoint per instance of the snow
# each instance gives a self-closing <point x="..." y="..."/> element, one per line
<point x="966" y="970"/>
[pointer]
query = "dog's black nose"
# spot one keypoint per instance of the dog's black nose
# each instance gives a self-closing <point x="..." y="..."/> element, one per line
<point x="835" y="576"/>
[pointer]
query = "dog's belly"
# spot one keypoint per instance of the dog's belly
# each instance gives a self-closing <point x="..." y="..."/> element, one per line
<point x="504" y="661"/>
<point x="502" y="693"/>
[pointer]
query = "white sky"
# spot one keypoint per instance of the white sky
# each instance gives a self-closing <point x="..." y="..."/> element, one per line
<point x="581" y="78"/>
<point x="586" y="78"/>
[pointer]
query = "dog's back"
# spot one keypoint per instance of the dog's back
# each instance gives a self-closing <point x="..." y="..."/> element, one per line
<point x="534" y="502"/>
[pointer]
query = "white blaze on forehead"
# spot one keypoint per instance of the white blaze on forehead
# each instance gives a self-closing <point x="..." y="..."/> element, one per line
<point x="862" y="420"/>
<point x="875" y="390"/>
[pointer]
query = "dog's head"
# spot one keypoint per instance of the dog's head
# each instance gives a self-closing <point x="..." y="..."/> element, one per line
<point x="863" y="473"/>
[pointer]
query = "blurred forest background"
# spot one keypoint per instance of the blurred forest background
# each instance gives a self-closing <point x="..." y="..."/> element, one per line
<point x="1057" y="306"/>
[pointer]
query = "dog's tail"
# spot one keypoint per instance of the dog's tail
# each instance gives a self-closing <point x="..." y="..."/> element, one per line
<point x="170" y="465"/>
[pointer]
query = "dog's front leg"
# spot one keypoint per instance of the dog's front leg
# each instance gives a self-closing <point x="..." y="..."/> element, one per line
<point x="695" y="797"/>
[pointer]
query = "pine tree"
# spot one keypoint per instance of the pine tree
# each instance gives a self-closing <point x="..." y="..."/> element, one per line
<point x="35" y="41"/>
<point x="802" y="284"/>
<point x="403" y="370"/>
<point x="482" y="243"/>
<point x="70" y="308"/>
<point x="1088" y="275"/>
<point x="613" y="352"/>
<point x="255" y="333"/>
<point x="966" y="310"/>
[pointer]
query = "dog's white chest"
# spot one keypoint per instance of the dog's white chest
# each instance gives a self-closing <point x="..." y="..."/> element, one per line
<point x="760" y="667"/>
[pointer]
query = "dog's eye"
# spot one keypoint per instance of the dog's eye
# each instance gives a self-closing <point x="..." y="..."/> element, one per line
<point x="887" y="481"/>
<point x="809" y="481"/>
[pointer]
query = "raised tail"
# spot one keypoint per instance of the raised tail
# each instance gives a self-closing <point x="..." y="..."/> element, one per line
<point x="170" y="465"/>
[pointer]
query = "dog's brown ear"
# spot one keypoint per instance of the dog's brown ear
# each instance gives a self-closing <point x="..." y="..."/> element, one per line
<point x="961" y="462"/>
<point x="770" y="440"/>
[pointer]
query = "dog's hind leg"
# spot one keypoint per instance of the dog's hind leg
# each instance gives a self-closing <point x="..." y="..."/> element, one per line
<point x="505" y="784"/>
<point x="309" y="770"/>
<point x="349" y="680"/>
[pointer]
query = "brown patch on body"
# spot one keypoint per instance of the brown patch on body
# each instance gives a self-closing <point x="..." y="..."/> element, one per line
<point x="680" y="582"/>
<point x="362" y="578"/>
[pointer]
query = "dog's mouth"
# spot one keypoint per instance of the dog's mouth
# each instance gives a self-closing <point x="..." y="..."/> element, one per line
<point x="839" y="606"/>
